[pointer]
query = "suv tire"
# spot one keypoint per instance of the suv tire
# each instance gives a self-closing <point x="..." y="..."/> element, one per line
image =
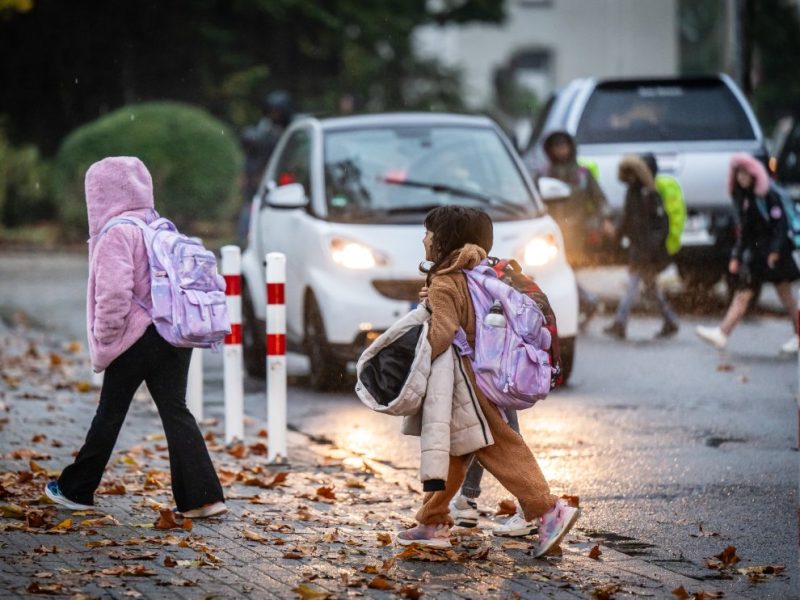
<point x="567" y="357"/>
<point x="253" y="338"/>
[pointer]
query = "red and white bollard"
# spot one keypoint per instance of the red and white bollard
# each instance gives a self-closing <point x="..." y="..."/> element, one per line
<point x="276" y="357"/>
<point x="194" y="387"/>
<point x="232" y="354"/>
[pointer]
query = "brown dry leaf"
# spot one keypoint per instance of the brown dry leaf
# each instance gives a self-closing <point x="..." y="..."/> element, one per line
<point x="102" y="543"/>
<point x="326" y="492"/>
<point x="254" y="536"/>
<point x="145" y="555"/>
<point x="259" y="449"/>
<point x="726" y="558"/>
<point x="227" y="478"/>
<point x="355" y="483"/>
<point x="12" y="511"/>
<point x="55" y="360"/>
<point x="306" y="592"/>
<point x="680" y="593"/>
<point x="101" y="522"/>
<point x="168" y="520"/>
<point x="573" y="501"/>
<point x="304" y="514"/>
<point x="50" y="589"/>
<point x="758" y="573"/>
<point x="331" y="536"/>
<point x="278" y="479"/>
<point x="238" y="450"/>
<point x="170" y="562"/>
<point x="83" y="387"/>
<point x="112" y="489"/>
<point x="595" y="552"/>
<point x="416" y="552"/>
<point x="379" y="583"/>
<point x="39" y="437"/>
<point x="294" y="554"/>
<point x="516" y="545"/>
<point x="36" y="518"/>
<point x="129" y="571"/>
<point x="209" y="437"/>
<point x="506" y="508"/>
<point x="605" y="591"/>
<point x="74" y="347"/>
<point x="262" y="433"/>
<point x="384" y="539"/>
<point x="411" y="592"/>
<point x="45" y="550"/>
<point x="725" y="367"/>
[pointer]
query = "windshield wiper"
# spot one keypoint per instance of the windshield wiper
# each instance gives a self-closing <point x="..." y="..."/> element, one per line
<point x="419" y="208"/>
<point x="443" y="188"/>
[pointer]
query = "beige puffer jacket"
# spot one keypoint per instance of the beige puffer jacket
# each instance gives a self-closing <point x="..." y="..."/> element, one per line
<point x="437" y="400"/>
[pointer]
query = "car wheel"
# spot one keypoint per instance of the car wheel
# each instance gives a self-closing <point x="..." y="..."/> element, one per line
<point x="253" y="338"/>
<point x="326" y="372"/>
<point x="567" y="357"/>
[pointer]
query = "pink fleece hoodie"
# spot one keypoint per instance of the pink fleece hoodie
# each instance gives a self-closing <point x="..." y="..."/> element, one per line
<point x="119" y="272"/>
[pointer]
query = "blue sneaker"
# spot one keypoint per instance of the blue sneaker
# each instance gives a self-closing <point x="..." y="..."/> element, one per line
<point x="52" y="491"/>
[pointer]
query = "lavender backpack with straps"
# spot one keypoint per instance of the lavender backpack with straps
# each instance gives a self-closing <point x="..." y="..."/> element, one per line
<point x="511" y="363"/>
<point x="189" y="308"/>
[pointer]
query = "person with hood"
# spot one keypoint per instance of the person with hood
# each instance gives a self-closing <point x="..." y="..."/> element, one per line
<point x="762" y="252"/>
<point x="646" y="226"/>
<point x="584" y="215"/>
<point x="124" y="343"/>
<point x="454" y="241"/>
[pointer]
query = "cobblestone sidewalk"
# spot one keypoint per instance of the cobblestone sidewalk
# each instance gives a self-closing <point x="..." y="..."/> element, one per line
<point x="320" y="528"/>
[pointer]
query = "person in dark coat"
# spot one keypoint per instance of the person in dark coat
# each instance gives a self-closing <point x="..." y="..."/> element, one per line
<point x="645" y="225"/>
<point x="763" y="250"/>
<point x="584" y="215"/>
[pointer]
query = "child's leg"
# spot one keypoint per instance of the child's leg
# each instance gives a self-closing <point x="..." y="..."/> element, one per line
<point x="435" y="508"/>
<point x="784" y="290"/>
<point x="510" y="460"/>
<point x="626" y="304"/>
<point x="194" y="480"/>
<point x="655" y="290"/>
<point x="123" y="377"/>
<point x="736" y="310"/>
<point x="472" y="482"/>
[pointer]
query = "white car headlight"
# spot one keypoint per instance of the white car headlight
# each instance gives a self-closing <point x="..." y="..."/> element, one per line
<point x="353" y="255"/>
<point x="541" y="250"/>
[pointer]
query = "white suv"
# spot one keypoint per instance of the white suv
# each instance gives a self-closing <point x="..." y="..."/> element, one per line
<point x="344" y="198"/>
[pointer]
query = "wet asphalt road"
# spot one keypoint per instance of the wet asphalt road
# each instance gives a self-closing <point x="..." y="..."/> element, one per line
<point x="655" y="438"/>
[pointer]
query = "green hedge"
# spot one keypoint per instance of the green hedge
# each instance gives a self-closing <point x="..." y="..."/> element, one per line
<point x="194" y="160"/>
<point x="24" y="184"/>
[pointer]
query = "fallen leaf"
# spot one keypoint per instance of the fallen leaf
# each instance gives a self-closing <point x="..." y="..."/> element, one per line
<point x="131" y="594"/>
<point x="102" y="543"/>
<point x="238" y="450"/>
<point x="326" y="492"/>
<point x="12" y="511"/>
<point x="45" y="550"/>
<point x="167" y="520"/>
<point x="112" y="489"/>
<point x="74" y="347"/>
<point x="605" y="591"/>
<point x="293" y="555"/>
<point x="379" y="583"/>
<point x="50" y="589"/>
<point x="573" y="501"/>
<point x="506" y="508"/>
<point x="128" y="571"/>
<point x="726" y="558"/>
<point x="147" y="555"/>
<point x="259" y="449"/>
<point x="170" y="562"/>
<point x="355" y="483"/>
<point x="725" y="368"/>
<point x="516" y="545"/>
<point x="595" y="552"/>
<point x="55" y="359"/>
<point x="411" y="592"/>
<point x="680" y="593"/>
<point x="39" y="437"/>
<point x="62" y="526"/>
<point x="102" y="522"/>
<point x="331" y="536"/>
<point x="262" y="433"/>
<point x="83" y="387"/>
<point x="254" y="537"/>
<point x="417" y="552"/>
<point x="384" y="539"/>
<point x="306" y="592"/>
<point x="758" y="573"/>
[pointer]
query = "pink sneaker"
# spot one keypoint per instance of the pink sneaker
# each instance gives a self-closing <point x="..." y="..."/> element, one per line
<point x="425" y="535"/>
<point x="554" y="525"/>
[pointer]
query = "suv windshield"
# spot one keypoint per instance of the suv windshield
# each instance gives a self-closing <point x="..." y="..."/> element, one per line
<point x="662" y="111"/>
<point x="400" y="173"/>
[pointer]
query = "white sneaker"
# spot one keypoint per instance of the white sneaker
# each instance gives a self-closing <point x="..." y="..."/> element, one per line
<point x="516" y="526"/>
<point x="464" y="511"/>
<point x="209" y="510"/>
<point x="713" y="336"/>
<point x="791" y="346"/>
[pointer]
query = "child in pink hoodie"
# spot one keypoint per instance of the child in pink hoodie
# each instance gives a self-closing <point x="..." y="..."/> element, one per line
<point x="124" y="343"/>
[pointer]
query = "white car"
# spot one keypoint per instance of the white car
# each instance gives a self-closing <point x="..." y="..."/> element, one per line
<point x="345" y="198"/>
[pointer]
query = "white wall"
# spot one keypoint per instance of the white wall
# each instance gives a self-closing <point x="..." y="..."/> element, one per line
<point x="585" y="37"/>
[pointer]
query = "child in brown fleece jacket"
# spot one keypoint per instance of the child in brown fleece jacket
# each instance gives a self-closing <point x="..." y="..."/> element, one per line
<point x="454" y="241"/>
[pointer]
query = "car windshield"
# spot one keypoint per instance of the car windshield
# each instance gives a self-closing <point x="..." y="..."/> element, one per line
<point x="653" y="112"/>
<point x="399" y="173"/>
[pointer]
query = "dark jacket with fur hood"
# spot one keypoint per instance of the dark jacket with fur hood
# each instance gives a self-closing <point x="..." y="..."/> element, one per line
<point x="644" y="220"/>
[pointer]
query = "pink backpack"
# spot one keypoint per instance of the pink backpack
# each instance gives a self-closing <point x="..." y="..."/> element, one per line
<point x="189" y="308"/>
<point x="511" y="363"/>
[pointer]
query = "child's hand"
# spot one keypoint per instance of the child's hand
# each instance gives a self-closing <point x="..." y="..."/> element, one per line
<point x="423" y="293"/>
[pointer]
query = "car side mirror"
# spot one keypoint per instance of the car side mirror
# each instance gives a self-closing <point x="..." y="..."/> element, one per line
<point x="291" y="195"/>
<point x="552" y="189"/>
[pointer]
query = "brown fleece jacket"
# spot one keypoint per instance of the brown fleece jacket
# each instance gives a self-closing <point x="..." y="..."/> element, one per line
<point x="450" y="302"/>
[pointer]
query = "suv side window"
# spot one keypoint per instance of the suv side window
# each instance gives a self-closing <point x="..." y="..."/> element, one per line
<point x="294" y="163"/>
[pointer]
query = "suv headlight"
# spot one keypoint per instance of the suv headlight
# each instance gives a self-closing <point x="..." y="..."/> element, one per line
<point x="540" y="250"/>
<point x="353" y="255"/>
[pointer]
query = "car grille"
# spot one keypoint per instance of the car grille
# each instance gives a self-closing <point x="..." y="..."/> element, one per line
<point x="399" y="289"/>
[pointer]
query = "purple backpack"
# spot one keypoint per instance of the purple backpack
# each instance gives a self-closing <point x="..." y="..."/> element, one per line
<point x="189" y="308"/>
<point x="511" y="363"/>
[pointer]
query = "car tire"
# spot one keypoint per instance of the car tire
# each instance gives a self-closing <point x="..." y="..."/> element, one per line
<point x="253" y="338"/>
<point x="567" y="357"/>
<point x="326" y="373"/>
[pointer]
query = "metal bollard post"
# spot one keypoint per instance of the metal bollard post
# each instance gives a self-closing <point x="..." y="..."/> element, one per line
<point x="232" y="355"/>
<point x="276" y="357"/>
<point x="194" y="389"/>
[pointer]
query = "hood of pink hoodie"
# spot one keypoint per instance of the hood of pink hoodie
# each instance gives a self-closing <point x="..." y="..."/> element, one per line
<point x="114" y="186"/>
